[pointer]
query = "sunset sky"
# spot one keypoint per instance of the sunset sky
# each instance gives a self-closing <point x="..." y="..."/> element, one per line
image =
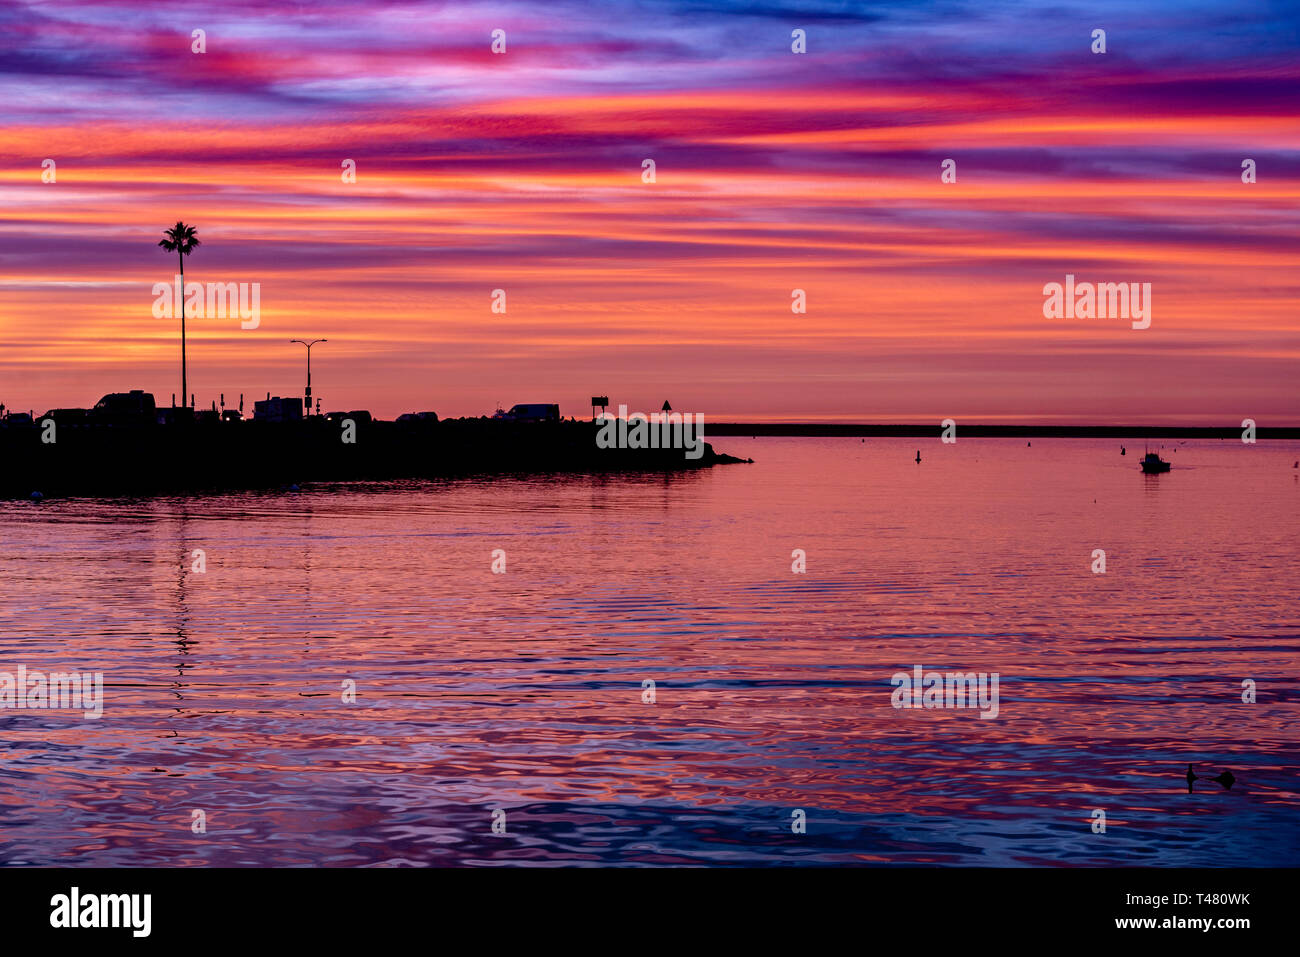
<point x="774" y="171"/>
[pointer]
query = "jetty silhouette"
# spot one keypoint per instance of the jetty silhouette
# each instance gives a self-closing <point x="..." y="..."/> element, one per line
<point x="124" y="445"/>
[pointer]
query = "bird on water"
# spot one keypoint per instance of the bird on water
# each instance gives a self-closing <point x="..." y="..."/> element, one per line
<point x="1226" y="779"/>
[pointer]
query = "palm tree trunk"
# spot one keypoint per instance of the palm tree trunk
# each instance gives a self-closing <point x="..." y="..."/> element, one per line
<point x="185" y="395"/>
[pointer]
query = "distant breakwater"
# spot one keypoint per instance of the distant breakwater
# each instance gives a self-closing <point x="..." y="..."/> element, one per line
<point x="163" y="459"/>
<point x="975" y="430"/>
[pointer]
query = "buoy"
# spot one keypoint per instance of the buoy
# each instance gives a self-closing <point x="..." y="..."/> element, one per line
<point x="918" y="456"/>
<point x="37" y="496"/>
<point x="294" y="488"/>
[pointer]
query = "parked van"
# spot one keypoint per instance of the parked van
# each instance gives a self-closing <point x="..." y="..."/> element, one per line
<point x="530" y="412"/>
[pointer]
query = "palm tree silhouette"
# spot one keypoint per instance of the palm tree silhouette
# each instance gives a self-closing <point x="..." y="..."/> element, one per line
<point x="180" y="239"/>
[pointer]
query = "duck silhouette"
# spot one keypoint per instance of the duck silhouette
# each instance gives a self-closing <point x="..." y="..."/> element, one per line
<point x="1226" y="779"/>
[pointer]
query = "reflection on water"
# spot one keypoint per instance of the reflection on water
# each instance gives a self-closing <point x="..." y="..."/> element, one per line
<point x="523" y="691"/>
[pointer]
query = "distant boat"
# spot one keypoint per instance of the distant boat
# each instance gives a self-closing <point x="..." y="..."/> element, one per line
<point x="1152" y="463"/>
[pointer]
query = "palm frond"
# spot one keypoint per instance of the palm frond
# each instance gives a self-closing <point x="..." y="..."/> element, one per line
<point x="179" y="238"/>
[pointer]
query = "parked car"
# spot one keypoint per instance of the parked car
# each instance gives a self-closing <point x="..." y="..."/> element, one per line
<point x="66" y="417"/>
<point x="360" y="417"/>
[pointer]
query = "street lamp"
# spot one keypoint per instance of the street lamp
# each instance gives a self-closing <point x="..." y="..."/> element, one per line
<point x="307" y="404"/>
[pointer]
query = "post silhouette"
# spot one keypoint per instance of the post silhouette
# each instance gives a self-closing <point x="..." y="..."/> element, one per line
<point x="307" y="399"/>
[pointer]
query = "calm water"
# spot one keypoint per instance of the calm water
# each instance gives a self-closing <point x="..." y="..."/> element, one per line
<point x="523" y="691"/>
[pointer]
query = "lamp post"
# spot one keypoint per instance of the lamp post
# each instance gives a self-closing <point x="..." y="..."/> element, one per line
<point x="307" y="403"/>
